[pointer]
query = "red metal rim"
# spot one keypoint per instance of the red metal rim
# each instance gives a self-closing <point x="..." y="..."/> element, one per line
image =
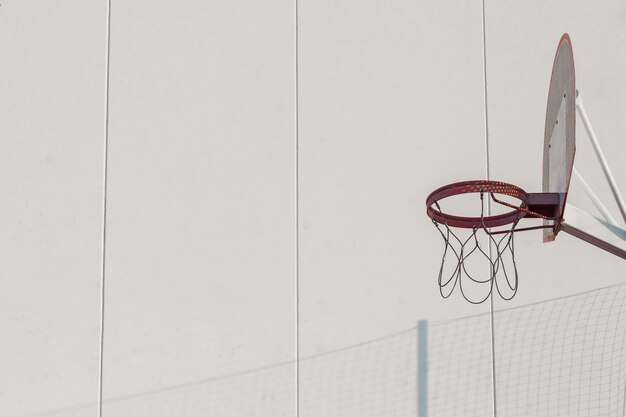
<point x="476" y="186"/>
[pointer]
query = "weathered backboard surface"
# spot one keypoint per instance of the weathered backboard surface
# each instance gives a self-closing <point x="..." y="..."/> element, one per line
<point x="559" y="145"/>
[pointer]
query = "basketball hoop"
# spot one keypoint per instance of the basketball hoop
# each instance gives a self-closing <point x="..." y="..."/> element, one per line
<point x="544" y="206"/>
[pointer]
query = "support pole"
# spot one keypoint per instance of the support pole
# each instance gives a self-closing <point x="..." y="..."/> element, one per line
<point x="594" y="198"/>
<point x="605" y="166"/>
<point x="422" y="371"/>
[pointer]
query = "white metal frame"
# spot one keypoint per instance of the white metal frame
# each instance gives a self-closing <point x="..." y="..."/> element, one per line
<point x="606" y="234"/>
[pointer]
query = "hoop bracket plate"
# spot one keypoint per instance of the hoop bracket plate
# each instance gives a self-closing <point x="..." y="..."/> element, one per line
<point x="545" y="205"/>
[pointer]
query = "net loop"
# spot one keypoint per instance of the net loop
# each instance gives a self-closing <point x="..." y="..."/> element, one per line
<point x="502" y="275"/>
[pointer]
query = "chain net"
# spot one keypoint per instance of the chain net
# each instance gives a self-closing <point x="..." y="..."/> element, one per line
<point x="484" y="244"/>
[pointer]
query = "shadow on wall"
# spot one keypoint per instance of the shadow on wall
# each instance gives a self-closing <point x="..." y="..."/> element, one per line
<point x="566" y="354"/>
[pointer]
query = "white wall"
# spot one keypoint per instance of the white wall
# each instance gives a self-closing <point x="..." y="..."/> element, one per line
<point x="201" y="200"/>
<point x="51" y="81"/>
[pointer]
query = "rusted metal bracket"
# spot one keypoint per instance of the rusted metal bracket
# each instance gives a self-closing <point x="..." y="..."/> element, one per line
<point x="544" y="205"/>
